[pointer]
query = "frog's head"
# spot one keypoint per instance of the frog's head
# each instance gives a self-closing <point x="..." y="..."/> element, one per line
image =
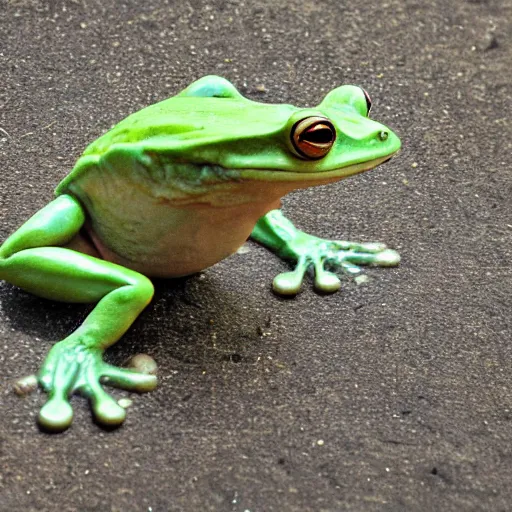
<point x="284" y="143"/>
<point x="337" y="138"/>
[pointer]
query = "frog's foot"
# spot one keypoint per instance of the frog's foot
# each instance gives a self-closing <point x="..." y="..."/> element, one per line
<point x="347" y="256"/>
<point x="72" y="367"/>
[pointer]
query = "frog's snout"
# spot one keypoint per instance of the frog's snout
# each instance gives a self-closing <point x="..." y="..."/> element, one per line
<point x="386" y="138"/>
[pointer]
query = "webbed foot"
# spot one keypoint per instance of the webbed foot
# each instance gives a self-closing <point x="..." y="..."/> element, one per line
<point x="73" y="367"/>
<point x="275" y="231"/>
<point x="320" y="254"/>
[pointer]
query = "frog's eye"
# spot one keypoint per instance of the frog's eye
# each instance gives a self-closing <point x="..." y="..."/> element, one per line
<point x="368" y="102"/>
<point x="348" y="95"/>
<point x="313" y="137"/>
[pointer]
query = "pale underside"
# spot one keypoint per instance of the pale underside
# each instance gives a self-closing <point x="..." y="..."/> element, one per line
<point x="184" y="218"/>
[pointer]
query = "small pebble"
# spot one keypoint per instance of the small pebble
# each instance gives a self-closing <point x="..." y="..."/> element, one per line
<point x="125" y="403"/>
<point x="361" y="279"/>
<point x="244" y="249"/>
<point x="25" y="385"/>
<point x="143" y="364"/>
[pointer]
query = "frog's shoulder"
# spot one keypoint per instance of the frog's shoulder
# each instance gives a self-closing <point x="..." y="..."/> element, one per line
<point x="83" y="164"/>
<point x="115" y="159"/>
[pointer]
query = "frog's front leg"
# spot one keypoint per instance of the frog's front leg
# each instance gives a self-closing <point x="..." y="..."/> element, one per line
<point x="32" y="259"/>
<point x="275" y="231"/>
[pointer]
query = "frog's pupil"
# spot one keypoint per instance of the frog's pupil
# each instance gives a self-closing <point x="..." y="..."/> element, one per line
<point x="313" y="137"/>
<point x="318" y="135"/>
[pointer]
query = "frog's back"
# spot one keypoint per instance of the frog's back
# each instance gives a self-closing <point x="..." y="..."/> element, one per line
<point x="185" y="118"/>
<point x="180" y="126"/>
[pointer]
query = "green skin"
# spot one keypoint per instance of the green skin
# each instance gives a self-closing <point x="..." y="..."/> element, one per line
<point x="169" y="191"/>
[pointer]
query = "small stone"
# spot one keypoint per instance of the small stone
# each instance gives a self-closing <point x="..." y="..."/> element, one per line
<point x="244" y="249"/>
<point x="25" y="385"/>
<point x="143" y="364"/>
<point x="361" y="279"/>
<point x="492" y="43"/>
<point x="488" y="42"/>
<point x="125" y="403"/>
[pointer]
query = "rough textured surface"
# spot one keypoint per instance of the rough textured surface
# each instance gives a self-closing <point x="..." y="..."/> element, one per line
<point x="393" y="395"/>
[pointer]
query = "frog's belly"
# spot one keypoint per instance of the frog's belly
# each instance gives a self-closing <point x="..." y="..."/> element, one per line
<point x="167" y="222"/>
<point x="162" y="241"/>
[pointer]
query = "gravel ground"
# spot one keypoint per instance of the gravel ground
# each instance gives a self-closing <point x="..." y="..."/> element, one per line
<point x="388" y="396"/>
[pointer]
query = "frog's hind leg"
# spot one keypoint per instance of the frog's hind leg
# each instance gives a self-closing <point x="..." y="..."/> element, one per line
<point x="34" y="259"/>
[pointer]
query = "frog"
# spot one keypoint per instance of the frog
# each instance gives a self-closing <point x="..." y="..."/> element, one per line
<point x="170" y="191"/>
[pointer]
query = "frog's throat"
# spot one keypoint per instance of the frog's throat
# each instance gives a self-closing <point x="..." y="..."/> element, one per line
<point x="308" y="178"/>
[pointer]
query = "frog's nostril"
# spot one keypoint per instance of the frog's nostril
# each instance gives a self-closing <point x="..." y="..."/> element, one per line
<point x="383" y="135"/>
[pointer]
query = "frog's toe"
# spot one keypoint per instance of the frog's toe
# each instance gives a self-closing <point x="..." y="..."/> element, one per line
<point x="287" y="283"/>
<point x="325" y="281"/>
<point x="348" y="260"/>
<point x="108" y="412"/>
<point x="128" y="379"/>
<point x="349" y="268"/>
<point x="105" y="409"/>
<point x="387" y="258"/>
<point x="56" y="414"/>
<point x="371" y="247"/>
<point x="58" y="378"/>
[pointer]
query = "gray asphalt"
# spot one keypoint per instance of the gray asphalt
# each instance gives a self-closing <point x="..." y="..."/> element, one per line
<point x="394" y="395"/>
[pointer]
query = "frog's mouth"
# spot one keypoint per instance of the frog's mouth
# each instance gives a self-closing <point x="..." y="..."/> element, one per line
<point x="317" y="176"/>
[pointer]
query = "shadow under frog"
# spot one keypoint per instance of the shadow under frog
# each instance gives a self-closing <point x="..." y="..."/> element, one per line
<point x="177" y="325"/>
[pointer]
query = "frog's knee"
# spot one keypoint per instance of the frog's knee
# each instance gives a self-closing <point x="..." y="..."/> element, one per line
<point x="145" y="288"/>
<point x="3" y="265"/>
<point x="4" y="253"/>
<point x="139" y="288"/>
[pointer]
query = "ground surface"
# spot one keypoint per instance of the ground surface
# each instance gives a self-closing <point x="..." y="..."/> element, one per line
<point x="392" y="395"/>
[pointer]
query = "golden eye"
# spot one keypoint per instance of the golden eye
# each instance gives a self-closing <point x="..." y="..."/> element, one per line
<point x="313" y="137"/>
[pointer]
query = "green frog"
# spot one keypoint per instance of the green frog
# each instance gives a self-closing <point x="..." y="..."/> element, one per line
<point x="170" y="191"/>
